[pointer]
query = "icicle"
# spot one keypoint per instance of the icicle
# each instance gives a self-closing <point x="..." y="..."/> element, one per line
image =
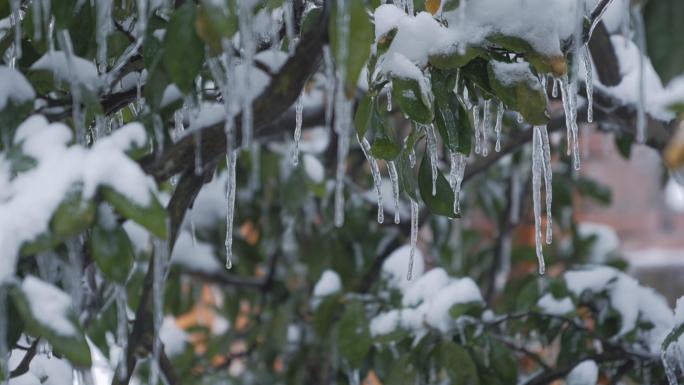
<point x="432" y="151"/>
<point x="414" y="237"/>
<point x="588" y="79"/>
<point x="4" y="351"/>
<point x="466" y="98"/>
<point x="231" y="160"/>
<point x="104" y="26"/>
<point x="569" y="106"/>
<point x="537" y="164"/>
<point x="519" y="118"/>
<point x="159" y="265"/>
<point x="288" y="15"/>
<point x="640" y="36"/>
<point x="667" y="365"/>
<point x="458" y="164"/>
<point x="342" y="111"/>
<point x="546" y="166"/>
<point x="122" y="328"/>
<point x="554" y="89"/>
<point x="375" y="171"/>
<point x="329" y="85"/>
<point x="37" y="20"/>
<point x="198" y="152"/>
<point x="499" y="123"/>
<point x="255" y="173"/>
<point x="388" y="92"/>
<point x="476" y="124"/>
<point x="193" y="230"/>
<point x="77" y="115"/>
<point x="412" y="158"/>
<point x="394" y="177"/>
<point x="298" y="129"/>
<point x="142" y="18"/>
<point x="248" y="45"/>
<point x="15" y="18"/>
<point x="486" y="126"/>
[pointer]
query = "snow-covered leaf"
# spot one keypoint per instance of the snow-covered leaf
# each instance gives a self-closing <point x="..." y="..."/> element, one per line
<point x="519" y="89"/>
<point x="47" y="313"/>
<point x="152" y="217"/>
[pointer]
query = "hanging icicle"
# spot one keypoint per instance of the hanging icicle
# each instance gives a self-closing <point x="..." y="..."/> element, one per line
<point x="15" y="18"/>
<point x="375" y="171"/>
<point x="394" y="178"/>
<point x="104" y="27"/>
<point x="299" y="107"/>
<point x="329" y="85"/>
<point x="414" y="237"/>
<point x="432" y="152"/>
<point x="640" y="36"/>
<point x="476" y="124"/>
<point x="498" y="125"/>
<point x="343" y="108"/>
<point x="554" y="89"/>
<point x="589" y="81"/>
<point x="122" y="329"/>
<point x="388" y="92"/>
<point x="548" y="174"/>
<point x="537" y="165"/>
<point x="458" y="165"/>
<point x="4" y="351"/>
<point x="248" y="50"/>
<point x="486" y="126"/>
<point x="75" y="86"/>
<point x="161" y="254"/>
<point x="231" y="160"/>
<point x="569" y="97"/>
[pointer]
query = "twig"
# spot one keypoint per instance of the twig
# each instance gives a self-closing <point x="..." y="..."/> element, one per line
<point x="25" y="363"/>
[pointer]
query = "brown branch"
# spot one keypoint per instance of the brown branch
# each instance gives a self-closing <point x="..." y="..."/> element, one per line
<point x="25" y="363"/>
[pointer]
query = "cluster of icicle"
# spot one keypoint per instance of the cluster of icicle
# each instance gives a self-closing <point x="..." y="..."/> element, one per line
<point x="673" y="360"/>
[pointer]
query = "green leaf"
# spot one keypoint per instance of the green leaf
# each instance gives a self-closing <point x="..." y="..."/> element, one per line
<point x="353" y="335"/>
<point x="455" y="58"/>
<point x="213" y="24"/>
<point x="503" y="362"/>
<point x="64" y="11"/>
<point x="27" y="301"/>
<point x="442" y="203"/>
<point x="457" y="363"/>
<point x="385" y="148"/>
<point x="360" y="38"/>
<point x="362" y="118"/>
<point x="153" y="217"/>
<point x="325" y="313"/>
<point x="451" y="118"/>
<point x="73" y="215"/>
<point x="542" y="64"/>
<point x="408" y="178"/>
<point x="414" y="101"/>
<point x="402" y="372"/>
<point x="664" y="33"/>
<point x="183" y="53"/>
<point x="473" y="309"/>
<point x="112" y="251"/>
<point x="519" y="90"/>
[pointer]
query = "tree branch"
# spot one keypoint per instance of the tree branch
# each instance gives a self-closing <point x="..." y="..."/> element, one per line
<point x="25" y="363"/>
<point x="594" y="18"/>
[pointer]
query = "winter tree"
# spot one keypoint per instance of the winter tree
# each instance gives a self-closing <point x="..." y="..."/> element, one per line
<point x="281" y="191"/>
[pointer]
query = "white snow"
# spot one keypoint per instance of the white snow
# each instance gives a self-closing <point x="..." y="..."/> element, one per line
<point x="585" y="373"/>
<point x="606" y="242"/>
<point x="197" y="256"/>
<point x="25" y="379"/>
<point x="657" y="98"/>
<point x="627" y="297"/>
<point x="27" y="205"/>
<point x="49" y="305"/>
<point x="313" y="168"/>
<point x="51" y="370"/>
<point x="550" y="305"/>
<point x="511" y="73"/>
<point x="14" y="87"/>
<point x="84" y="71"/>
<point x="329" y="283"/>
<point x="139" y="237"/>
<point x="395" y="266"/>
<point x="209" y="208"/>
<point x="174" y="338"/>
<point x="427" y="302"/>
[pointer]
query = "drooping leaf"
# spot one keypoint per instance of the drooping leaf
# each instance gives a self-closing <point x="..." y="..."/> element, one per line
<point x="665" y="37"/>
<point x="519" y="89"/>
<point x="362" y="118"/>
<point x="353" y="335"/>
<point x="358" y="44"/>
<point x="442" y="203"/>
<point x="451" y="118"/>
<point x="152" y="217"/>
<point x="183" y="50"/>
<point x="112" y="250"/>
<point x="385" y="148"/>
<point x="457" y="363"/>
<point x="413" y="98"/>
